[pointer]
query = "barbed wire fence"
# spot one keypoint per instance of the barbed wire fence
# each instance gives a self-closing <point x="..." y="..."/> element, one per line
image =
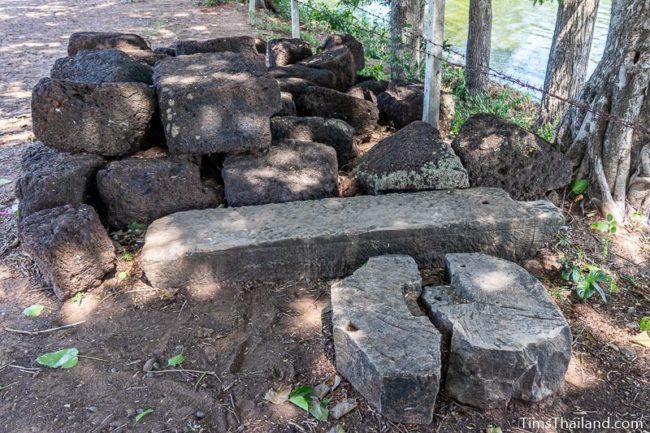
<point x="485" y="69"/>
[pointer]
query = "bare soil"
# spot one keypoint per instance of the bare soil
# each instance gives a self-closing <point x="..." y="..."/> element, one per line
<point x="250" y="338"/>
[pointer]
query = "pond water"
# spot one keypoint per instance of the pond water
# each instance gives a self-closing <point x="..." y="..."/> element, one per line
<point x="521" y="34"/>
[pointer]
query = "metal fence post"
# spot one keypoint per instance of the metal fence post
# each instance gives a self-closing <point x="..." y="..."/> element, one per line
<point x="295" y="20"/>
<point x="435" y="25"/>
<point x="251" y="12"/>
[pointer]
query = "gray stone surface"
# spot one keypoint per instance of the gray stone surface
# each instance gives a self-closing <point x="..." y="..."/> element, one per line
<point x="70" y="247"/>
<point x="389" y="355"/>
<point x="286" y="51"/>
<point x="400" y="105"/>
<point x="109" y="119"/>
<point x="287" y="171"/>
<point x="333" y="132"/>
<point x="413" y="159"/>
<point x="501" y="154"/>
<point x="50" y="178"/>
<point x="296" y="78"/>
<point x="349" y="41"/>
<point x="362" y="115"/>
<point x="102" y="66"/>
<point x="339" y="61"/>
<point x="332" y="237"/>
<point x="80" y="41"/>
<point x="288" y="106"/>
<point x="506" y="338"/>
<point x="142" y="190"/>
<point x="234" y="44"/>
<point x="216" y="102"/>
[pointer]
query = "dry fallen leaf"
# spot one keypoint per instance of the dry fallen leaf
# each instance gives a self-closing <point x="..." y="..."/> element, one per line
<point x="343" y="408"/>
<point x="280" y="396"/>
<point x="321" y="391"/>
<point x="642" y="339"/>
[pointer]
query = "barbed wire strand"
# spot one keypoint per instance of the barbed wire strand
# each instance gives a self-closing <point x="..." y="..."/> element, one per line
<point x="487" y="70"/>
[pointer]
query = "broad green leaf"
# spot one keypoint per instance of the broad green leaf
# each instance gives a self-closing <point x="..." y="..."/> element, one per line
<point x="601" y="226"/>
<point x="318" y="410"/>
<point x="141" y="415"/>
<point x="579" y="186"/>
<point x="33" y="310"/>
<point x="4" y="181"/>
<point x="584" y="290"/>
<point x="175" y="361"/>
<point x="601" y="292"/>
<point x="64" y="358"/>
<point x="301" y="397"/>
<point x="610" y="217"/>
<point x="576" y="275"/>
<point x="644" y="323"/>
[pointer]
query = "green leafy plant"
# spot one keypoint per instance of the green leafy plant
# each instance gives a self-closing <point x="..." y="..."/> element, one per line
<point x="64" y="358"/>
<point x="122" y="275"/>
<point x="303" y="398"/>
<point x="586" y="278"/>
<point x="33" y="310"/>
<point x="644" y="323"/>
<point x="579" y="186"/>
<point x="592" y="283"/>
<point x="135" y="227"/>
<point x="141" y="415"/>
<point x="176" y="360"/>
<point x="609" y="227"/>
<point x="77" y="298"/>
<point x="127" y="256"/>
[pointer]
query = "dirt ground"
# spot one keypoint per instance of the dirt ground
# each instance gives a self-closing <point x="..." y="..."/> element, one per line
<point x="240" y="341"/>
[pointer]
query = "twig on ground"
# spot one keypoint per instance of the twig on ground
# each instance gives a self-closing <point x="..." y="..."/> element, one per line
<point x="92" y="357"/>
<point x="198" y="382"/>
<point x="44" y="331"/>
<point x="101" y="424"/>
<point x="234" y="409"/>
<point x="182" y="370"/>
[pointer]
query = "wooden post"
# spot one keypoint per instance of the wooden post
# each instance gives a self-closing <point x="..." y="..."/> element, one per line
<point x="435" y="27"/>
<point x="295" y="20"/>
<point x="251" y="12"/>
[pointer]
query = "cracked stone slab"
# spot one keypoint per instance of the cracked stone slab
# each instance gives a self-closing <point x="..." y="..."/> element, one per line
<point x="506" y="338"/>
<point x="389" y="355"/>
<point x="331" y="237"/>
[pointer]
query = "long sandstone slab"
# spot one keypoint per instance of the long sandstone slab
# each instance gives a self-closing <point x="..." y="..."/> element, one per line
<point x="332" y="237"/>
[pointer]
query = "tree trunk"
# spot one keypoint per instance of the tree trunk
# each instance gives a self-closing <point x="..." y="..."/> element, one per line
<point x="567" y="63"/>
<point x="612" y="154"/>
<point x="478" y="46"/>
<point x="406" y="21"/>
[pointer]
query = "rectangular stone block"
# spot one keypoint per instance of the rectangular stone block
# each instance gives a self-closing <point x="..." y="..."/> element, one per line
<point x="389" y="355"/>
<point x="216" y="102"/>
<point x="332" y="237"/>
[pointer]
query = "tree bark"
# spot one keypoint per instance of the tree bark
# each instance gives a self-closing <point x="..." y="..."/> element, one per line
<point x="478" y="46"/>
<point x="566" y="70"/>
<point x="612" y="154"/>
<point x="406" y="25"/>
